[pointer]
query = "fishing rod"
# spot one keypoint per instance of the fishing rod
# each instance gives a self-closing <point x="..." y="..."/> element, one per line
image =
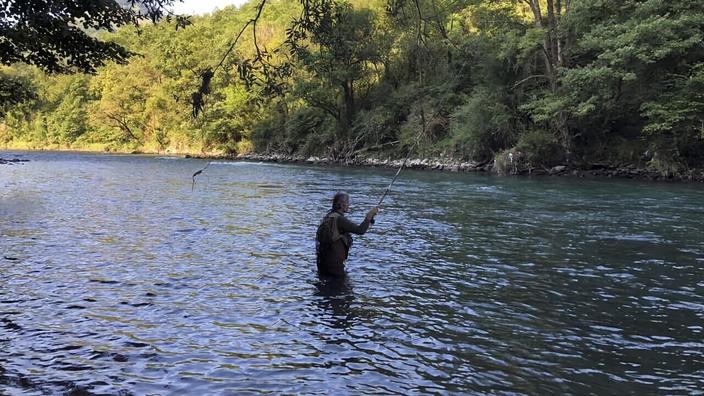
<point x="405" y="160"/>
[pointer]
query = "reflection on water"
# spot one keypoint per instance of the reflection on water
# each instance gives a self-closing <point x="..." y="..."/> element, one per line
<point x="116" y="277"/>
<point x="335" y="298"/>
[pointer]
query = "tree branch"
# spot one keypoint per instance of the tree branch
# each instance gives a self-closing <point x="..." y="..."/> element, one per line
<point x="253" y="21"/>
<point x="530" y="78"/>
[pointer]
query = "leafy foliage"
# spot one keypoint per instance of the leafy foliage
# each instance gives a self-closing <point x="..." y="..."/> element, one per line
<point x="483" y="126"/>
<point x="548" y="81"/>
<point x="14" y="90"/>
<point x="56" y="35"/>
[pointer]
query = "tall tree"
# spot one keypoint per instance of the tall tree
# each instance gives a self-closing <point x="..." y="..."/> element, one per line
<point x="555" y="44"/>
<point x="342" y="48"/>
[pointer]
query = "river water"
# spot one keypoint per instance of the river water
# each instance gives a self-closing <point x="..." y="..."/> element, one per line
<point x="117" y="277"/>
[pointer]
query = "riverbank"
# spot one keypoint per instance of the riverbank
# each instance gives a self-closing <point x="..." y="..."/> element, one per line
<point x="591" y="171"/>
<point x="597" y="170"/>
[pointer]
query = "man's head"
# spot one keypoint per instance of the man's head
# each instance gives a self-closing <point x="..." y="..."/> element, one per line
<point x="341" y="202"/>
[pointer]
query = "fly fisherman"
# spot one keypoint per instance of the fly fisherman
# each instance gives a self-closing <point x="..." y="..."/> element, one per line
<point x="333" y="239"/>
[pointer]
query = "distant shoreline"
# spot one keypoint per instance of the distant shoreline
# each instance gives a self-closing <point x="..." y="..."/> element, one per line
<point x="592" y="171"/>
<point x="595" y="171"/>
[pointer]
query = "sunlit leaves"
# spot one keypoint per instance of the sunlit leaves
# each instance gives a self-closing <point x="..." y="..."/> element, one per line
<point x="60" y="36"/>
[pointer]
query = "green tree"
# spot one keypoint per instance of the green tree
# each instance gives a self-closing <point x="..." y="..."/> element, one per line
<point x="14" y="90"/>
<point x="342" y="53"/>
<point x="122" y="93"/>
<point x="68" y="118"/>
<point x="633" y="64"/>
<point x="58" y="35"/>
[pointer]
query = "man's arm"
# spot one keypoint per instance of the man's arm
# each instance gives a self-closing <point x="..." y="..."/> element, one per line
<point x="345" y="225"/>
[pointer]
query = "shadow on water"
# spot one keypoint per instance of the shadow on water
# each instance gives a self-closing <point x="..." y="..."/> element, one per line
<point x="335" y="299"/>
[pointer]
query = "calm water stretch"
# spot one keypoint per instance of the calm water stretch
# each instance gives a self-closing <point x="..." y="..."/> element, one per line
<point x="116" y="277"/>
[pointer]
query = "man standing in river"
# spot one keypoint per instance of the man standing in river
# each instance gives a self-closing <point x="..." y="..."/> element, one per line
<point x="333" y="239"/>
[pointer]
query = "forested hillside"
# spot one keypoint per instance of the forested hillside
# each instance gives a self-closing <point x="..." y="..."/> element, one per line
<point x="550" y="82"/>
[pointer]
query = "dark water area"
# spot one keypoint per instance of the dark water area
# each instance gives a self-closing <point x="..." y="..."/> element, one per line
<point x="115" y="277"/>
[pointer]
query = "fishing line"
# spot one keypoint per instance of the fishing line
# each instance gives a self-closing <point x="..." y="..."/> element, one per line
<point x="425" y="123"/>
<point x="398" y="172"/>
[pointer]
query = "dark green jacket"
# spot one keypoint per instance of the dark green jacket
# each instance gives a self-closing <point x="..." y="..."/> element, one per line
<point x="333" y="247"/>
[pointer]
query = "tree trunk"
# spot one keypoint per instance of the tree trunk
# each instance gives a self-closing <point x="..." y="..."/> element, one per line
<point x="553" y="57"/>
<point x="348" y="106"/>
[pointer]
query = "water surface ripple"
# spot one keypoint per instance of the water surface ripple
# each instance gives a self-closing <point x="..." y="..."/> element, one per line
<point x="115" y="277"/>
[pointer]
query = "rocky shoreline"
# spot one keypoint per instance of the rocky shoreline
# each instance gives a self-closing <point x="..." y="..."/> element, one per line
<point x="5" y="161"/>
<point x="591" y="171"/>
<point x="598" y="170"/>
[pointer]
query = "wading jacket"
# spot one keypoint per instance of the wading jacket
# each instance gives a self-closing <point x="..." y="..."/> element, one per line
<point x="333" y="241"/>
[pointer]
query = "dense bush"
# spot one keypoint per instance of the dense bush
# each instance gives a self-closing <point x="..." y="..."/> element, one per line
<point x="539" y="148"/>
<point x="482" y="126"/>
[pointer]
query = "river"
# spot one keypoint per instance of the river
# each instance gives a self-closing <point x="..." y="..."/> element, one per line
<point x="117" y="276"/>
